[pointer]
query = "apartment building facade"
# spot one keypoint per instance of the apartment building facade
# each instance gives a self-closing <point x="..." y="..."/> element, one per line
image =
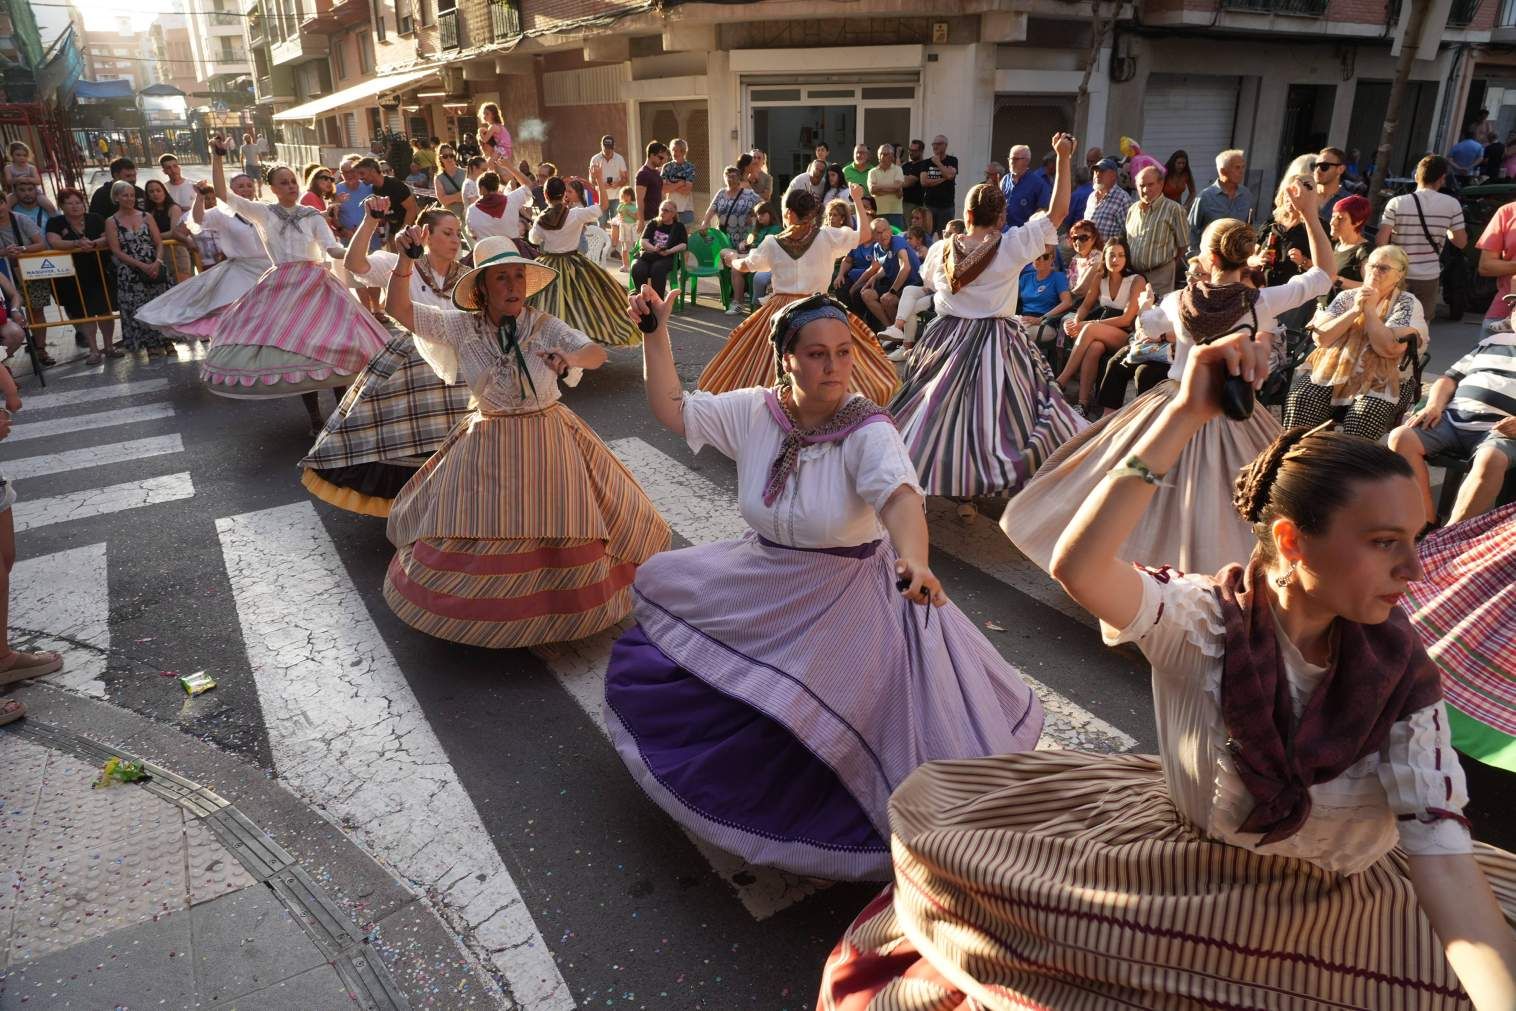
<point x="119" y="53"/>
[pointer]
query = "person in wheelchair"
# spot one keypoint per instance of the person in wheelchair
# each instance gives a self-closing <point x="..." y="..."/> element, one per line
<point x="1367" y="360"/>
<point x="1470" y="413"/>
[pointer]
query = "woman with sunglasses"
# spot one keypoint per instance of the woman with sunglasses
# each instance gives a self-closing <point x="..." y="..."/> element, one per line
<point x="1086" y="266"/>
<point x="1189" y="524"/>
<point x="979" y="411"/>
<point x="1298" y="841"/>
<point x="398" y="411"/>
<point x="737" y="700"/>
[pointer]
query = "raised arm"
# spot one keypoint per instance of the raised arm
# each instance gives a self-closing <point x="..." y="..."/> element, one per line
<point x="665" y="394"/>
<point x="1086" y="560"/>
<point x="356" y="259"/>
<point x="397" y="297"/>
<point x="856" y="194"/>
<point x="1307" y="205"/>
<point x="1064" y="146"/>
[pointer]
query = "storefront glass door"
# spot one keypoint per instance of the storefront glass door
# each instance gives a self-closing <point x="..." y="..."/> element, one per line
<point x="789" y="120"/>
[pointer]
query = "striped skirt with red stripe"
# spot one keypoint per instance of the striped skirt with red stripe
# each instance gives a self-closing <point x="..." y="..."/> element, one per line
<point x="747" y="358"/>
<point x="1062" y="880"/>
<point x="297" y="329"/>
<point x="521" y="529"/>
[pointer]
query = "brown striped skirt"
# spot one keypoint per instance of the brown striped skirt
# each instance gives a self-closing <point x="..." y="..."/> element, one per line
<point x="1067" y="881"/>
<point x="747" y="357"/>
<point x="521" y="529"/>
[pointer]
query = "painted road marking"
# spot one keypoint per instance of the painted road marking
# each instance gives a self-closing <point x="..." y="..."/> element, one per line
<point x="89" y="422"/>
<point x="337" y="709"/>
<point x="61" y="601"/>
<point x="93" y="456"/>
<point x="78" y="505"/>
<point x="112" y="391"/>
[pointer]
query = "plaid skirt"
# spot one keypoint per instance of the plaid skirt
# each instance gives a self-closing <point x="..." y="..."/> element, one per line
<point x="747" y="358"/>
<point x="1465" y="611"/>
<point x="521" y="529"/>
<point x="1062" y="880"/>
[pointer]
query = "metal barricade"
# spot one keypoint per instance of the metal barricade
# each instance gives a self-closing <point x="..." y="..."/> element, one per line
<point x="56" y="276"/>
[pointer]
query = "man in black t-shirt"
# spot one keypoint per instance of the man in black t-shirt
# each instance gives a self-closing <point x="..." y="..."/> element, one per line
<point x="403" y="209"/>
<point x="939" y="184"/>
<point x="100" y="201"/>
<point x="664" y="239"/>
<point x="913" y="196"/>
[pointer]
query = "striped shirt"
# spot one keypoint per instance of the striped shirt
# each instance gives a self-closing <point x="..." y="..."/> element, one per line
<point x="1486" y="378"/>
<point x="1443" y="214"/>
<point x="1156" y="235"/>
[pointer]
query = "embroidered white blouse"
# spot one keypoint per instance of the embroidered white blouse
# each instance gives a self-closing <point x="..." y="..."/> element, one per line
<point x="833" y="497"/>
<point x="813" y="271"/>
<point x="1356" y="818"/>
<point x="463" y="346"/>
<point x="382" y="263"/>
<point x="236" y="239"/>
<point x="310" y="238"/>
<point x="565" y="239"/>
<point x="995" y="291"/>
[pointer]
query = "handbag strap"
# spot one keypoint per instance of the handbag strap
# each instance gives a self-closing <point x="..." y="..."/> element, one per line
<point x="1424" y="229"/>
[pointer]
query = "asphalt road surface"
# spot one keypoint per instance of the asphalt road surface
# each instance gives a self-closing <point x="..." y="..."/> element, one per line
<point x="163" y="530"/>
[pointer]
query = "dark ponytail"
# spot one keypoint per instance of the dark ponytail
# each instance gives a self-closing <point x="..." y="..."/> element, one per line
<point x="1305" y="476"/>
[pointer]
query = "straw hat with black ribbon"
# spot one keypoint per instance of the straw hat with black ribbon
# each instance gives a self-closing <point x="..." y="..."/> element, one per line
<point x="499" y="251"/>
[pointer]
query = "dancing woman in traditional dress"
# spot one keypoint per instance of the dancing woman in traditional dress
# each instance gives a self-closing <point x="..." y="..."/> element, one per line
<point x="777" y="687"/>
<point x="398" y="411"/>
<point x="1253" y="863"/>
<point x="800" y="260"/>
<point x="522" y="528"/>
<point x="584" y="296"/>
<point x="979" y="411"/>
<point x="299" y="329"/>
<point x="191" y="309"/>
<point x="1191" y="526"/>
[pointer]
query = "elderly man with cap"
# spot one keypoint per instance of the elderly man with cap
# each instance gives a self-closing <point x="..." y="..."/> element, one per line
<point x="1108" y="203"/>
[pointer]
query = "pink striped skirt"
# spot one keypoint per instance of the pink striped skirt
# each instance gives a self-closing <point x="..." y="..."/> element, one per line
<point x="297" y="329"/>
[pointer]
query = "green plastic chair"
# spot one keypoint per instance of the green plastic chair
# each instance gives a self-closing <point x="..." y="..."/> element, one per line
<point x="676" y="276"/>
<point x="705" y="248"/>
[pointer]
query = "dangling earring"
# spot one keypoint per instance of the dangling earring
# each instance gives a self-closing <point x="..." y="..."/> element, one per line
<point x="1284" y="580"/>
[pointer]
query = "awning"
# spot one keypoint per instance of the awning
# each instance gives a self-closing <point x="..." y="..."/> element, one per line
<point x="348" y="96"/>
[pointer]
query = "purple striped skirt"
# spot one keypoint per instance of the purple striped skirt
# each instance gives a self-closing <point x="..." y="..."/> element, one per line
<point x="769" y="698"/>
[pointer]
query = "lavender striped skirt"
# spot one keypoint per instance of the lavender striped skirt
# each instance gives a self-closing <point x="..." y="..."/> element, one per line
<point x="979" y="411"/>
<point x="769" y="699"/>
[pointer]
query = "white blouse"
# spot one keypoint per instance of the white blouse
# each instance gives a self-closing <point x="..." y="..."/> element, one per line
<point x="833" y="497"/>
<point x="813" y="271"/>
<point x="995" y="291"/>
<point x="381" y="265"/>
<point x="463" y="345"/>
<point x="482" y="225"/>
<point x="1272" y="301"/>
<point x="1356" y="818"/>
<point x="565" y="239"/>
<point x="308" y="239"/>
<point x="236" y="239"/>
<point x="1123" y="293"/>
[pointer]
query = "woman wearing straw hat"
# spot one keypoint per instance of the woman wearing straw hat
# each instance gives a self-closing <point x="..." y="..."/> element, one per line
<point x="523" y="528"/>
<point x="398" y="411"/>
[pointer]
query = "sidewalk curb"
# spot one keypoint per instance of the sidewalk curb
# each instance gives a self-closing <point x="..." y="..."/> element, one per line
<point x="384" y="939"/>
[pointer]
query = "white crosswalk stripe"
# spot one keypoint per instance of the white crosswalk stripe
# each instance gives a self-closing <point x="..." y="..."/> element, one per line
<point x="92" y="456"/>
<point x="95" y="394"/>
<point x="78" y="505"/>
<point x="338" y="710"/>
<point x="61" y="601"/>
<point x="97" y="420"/>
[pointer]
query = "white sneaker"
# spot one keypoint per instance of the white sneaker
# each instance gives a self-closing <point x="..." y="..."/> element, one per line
<point x="901" y="353"/>
<point x="890" y="333"/>
<point x="734" y="309"/>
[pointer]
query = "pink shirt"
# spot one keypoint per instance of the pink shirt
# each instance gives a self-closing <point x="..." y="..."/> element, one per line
<point x="312" y="200"/>
<point x="1500" y="237"/>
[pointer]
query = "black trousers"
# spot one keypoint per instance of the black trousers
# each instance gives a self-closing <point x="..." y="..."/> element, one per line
<point x="653" y="270"/>
<point x="1118" y="373"/>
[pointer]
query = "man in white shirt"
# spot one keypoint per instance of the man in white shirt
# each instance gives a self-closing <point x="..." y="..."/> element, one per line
<point x="1402" y="225"/>
<point x="180" y="189"/>
<point x="496" y="213"/>
<point x="608" y="174"/>
<point x="886" y="186"/>
<point x="813" y="182"/>
<point x="476" y="167"/>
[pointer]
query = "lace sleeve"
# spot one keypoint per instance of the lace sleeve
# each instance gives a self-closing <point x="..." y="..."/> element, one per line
<point x="1424" y="784"/>
<point x="1178" y="627"/>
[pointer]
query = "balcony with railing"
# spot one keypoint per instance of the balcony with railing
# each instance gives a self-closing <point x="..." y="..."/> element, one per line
<point x="449" y="29"/>
<point x="1294" y="8"/>
<point x="1461" y="13"/>
<point x="505" y="20"/>
<point x="301" y="47"/>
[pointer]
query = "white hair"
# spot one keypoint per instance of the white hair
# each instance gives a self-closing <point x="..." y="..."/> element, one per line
<point x="1018" y="149"/>
<point x="1226" y="156"/>
<point x="1155" y="169"/>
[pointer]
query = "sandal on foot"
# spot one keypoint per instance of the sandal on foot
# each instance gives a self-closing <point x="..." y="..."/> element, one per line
<point x="94" y="358"/>
<point x="20" y="666"/>
<point x="113" y="353"/>
<point x="11" y="710"/>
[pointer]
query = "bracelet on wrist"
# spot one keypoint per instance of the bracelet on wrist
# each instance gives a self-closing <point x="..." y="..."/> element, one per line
<point x="1134" y="466"/>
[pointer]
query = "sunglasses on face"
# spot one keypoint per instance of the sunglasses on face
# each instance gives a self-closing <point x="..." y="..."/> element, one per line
<point x="1325" y="165"/>
<point x="1084" y="238"/>
<point x="1382" y="268"/>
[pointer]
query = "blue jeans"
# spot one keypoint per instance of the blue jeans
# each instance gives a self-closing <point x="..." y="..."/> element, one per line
<point x="761" y="283"/>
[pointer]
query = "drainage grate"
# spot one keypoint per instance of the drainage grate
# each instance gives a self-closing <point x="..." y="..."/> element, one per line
<point x="332" y="931"/>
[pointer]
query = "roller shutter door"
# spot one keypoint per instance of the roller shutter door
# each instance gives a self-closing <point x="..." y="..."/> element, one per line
<point x="1192" y="112"/>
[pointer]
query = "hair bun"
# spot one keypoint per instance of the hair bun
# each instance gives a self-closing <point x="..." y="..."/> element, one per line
<point x="1254" y="482"/>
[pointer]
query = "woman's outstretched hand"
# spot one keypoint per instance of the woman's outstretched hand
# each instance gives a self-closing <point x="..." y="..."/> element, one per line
<point x="921" y="587"/>
<point x="646" y="303"/>
<point x="1237" y="354"/>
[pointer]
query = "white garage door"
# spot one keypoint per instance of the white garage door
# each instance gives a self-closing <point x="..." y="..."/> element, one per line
<point x="1191" y="112"/>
